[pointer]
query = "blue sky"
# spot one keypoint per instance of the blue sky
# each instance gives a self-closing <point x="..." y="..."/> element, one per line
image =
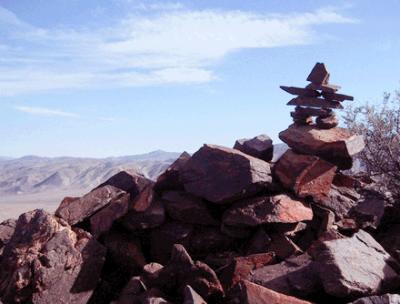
<point x="119" y="77"/>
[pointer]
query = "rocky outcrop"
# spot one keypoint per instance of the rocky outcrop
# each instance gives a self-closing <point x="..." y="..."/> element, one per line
<point x="222" y="175"/>
<point x="46" y="261"/>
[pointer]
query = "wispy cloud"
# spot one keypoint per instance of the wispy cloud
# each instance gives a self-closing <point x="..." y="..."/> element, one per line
<point x="174" y="46"/>
<point x="46" y="112"/>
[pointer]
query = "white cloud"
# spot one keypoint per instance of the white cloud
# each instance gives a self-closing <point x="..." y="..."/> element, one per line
<point x="175" y="46"/>
<point x="46" y="112"/>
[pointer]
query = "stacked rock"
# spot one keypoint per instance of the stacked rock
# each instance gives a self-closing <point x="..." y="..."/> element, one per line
<point x="316" y="100"/>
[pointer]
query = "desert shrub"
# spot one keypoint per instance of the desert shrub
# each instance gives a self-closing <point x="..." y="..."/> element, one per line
<point x="380" y="126"/>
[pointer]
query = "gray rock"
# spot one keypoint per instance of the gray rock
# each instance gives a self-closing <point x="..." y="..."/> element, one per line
<point x="356" y="266"/>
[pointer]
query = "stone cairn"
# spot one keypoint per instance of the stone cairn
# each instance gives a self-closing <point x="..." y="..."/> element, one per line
<point x="224" y="225"/>
<point x="316" y="100"/>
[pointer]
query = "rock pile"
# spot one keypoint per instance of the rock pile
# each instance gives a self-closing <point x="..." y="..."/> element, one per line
<point x="224" y="225"/>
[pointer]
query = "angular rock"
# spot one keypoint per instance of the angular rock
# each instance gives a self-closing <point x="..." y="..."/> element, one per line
<point x="319" y="74"/>
<point x="305" y="112"/>
<point x="300" y="91"/>
<point x="47" y="262"/>
<point x="128" y="181"/>
<point x="125" y="250"/>
<point x="296" y="276"/>
<point x="336" y="97"/>
<point x="328" y="88"/>
<point x="236" y="231"/>
<point x="181" y="270"/>
<point x="260" y="147"/>
<point x="103" y="220"/>
<point x="336" y="145"/>
<point x="283" y="246"/>
<point x="369" y="210"/>
<point x="305" y="175"/>
<point x="131" y="292"/>
<point x="241" y="267"/>
<point x="267" y="209"/>
<point x="327" y="122"/>
<point x="259" y="242"/>
<point x="145" y="212"/>
<point x="190" y="296"/>
<point x="150" y="273"/>
<point x="187" y="208"/>
<point x="7" y="229"/>
<point x="383" y="299"/>
<point x="250" y="293"/>
<point x="170" y="179"/>
<point x="77" y="210"/>
<point x="222" y="175"/>
<point x="356" y="266"/>
<point x="314" y="102"/>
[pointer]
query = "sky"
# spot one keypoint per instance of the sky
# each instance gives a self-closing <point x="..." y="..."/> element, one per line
<point x="98" y="78"/>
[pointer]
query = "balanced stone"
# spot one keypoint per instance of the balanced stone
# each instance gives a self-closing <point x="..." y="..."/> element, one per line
<point x="314" y="102"/>
<point x="319" y="74"/>
<point x="301" y="91"/>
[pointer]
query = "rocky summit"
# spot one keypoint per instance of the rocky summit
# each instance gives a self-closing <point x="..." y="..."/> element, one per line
<point x="224" y="225"/>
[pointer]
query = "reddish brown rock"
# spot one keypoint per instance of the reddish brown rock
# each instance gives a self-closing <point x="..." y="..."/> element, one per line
<point x="328" y="122"/>
<point x="145" y="212"/>
<point x="187" y="208"/>
<point x="283" y="246"/>
<point x="181" y="270"/>
<point x="267" y="209"/>
<point x="240" y="268"/>
<point x="305" y="175"/>
<point x="222" y="175"/>
<point x="337" y="97"/>
<point x="336" y="145"/>
<point x="300" y="91"/>
<point x="314" y="102"/>
<point x="128" y="181"/>
<point x="190" y="296"/>
<point x="250" y="293"/>
<point x="7" y="229"/>
<point x="103" y="220"/>
<point x="150" y="273"/>
<point x="319" y="74"/>
<point x="75" y="211"/>
<point x="260" y="146"/>
<point x="170" y="179"/>
<point x="47" y="262"/>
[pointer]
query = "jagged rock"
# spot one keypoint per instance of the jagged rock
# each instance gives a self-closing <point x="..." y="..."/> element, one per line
<point x="187" y="208"/>
<point x="47" y="262"/>
<point x="131" y="292"/>
<point x="7" y="229"/>
<point x="130" y="182"/>
<point x="384" y="299"/>
<point x="240" y="268"/>
<point x="77" y="210"/>
<point x="181" y="270"/>
<point x="305" y="175"/>
<point x="170" y="179"/>
<point x="250" y="293"/>
<point x="283" y="246"/>
<point x="260" y="146"/>
<point x="145" y="212"/>
<point x="314" y="102"/>
<point x="125" y="250"/>
<point x="103" y="220"/>
<point x="163" y="238"/>
<point x="296" y="276"/>
<point x="221" y="175"/>
<point x="324" y="88"/>
<point x="328" y="122"/>
<point x="319" y="74"/>
<point x="259" y="242"/>
<point x="267" y="209"/>
<point x="336" y="145"/>
<point x="340" y="200"/>
<point x="356" y="266"/>
<point x="190" y="296"/>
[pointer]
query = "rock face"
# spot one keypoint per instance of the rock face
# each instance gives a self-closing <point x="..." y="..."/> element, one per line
<point x="250" y="293"/>
<point x="47" y="262"/>
<point x="77" y="210"/>
<point x="305" y="175"/>
<point x="356" y="266"/>
<point x="260" y="146"/>
<point x="267" y="209"/>
<point x="336" y="145"/>
<point x="222" y="175"/>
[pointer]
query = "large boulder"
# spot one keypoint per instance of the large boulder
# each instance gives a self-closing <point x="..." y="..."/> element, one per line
<point x="47" y="262"/>
<point x="128" y="181"/>
<point x="267" y="209"/>
<point x="221" y="175"/>
<point x="250" y="293"/>
<point x="260" y="146"/>
<point x="336" y="145"/>
<point x="171" y="179"/>
<point x="305" y="175"/>
<point x="77" y="210"/>
<point x="356" y="266"/>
